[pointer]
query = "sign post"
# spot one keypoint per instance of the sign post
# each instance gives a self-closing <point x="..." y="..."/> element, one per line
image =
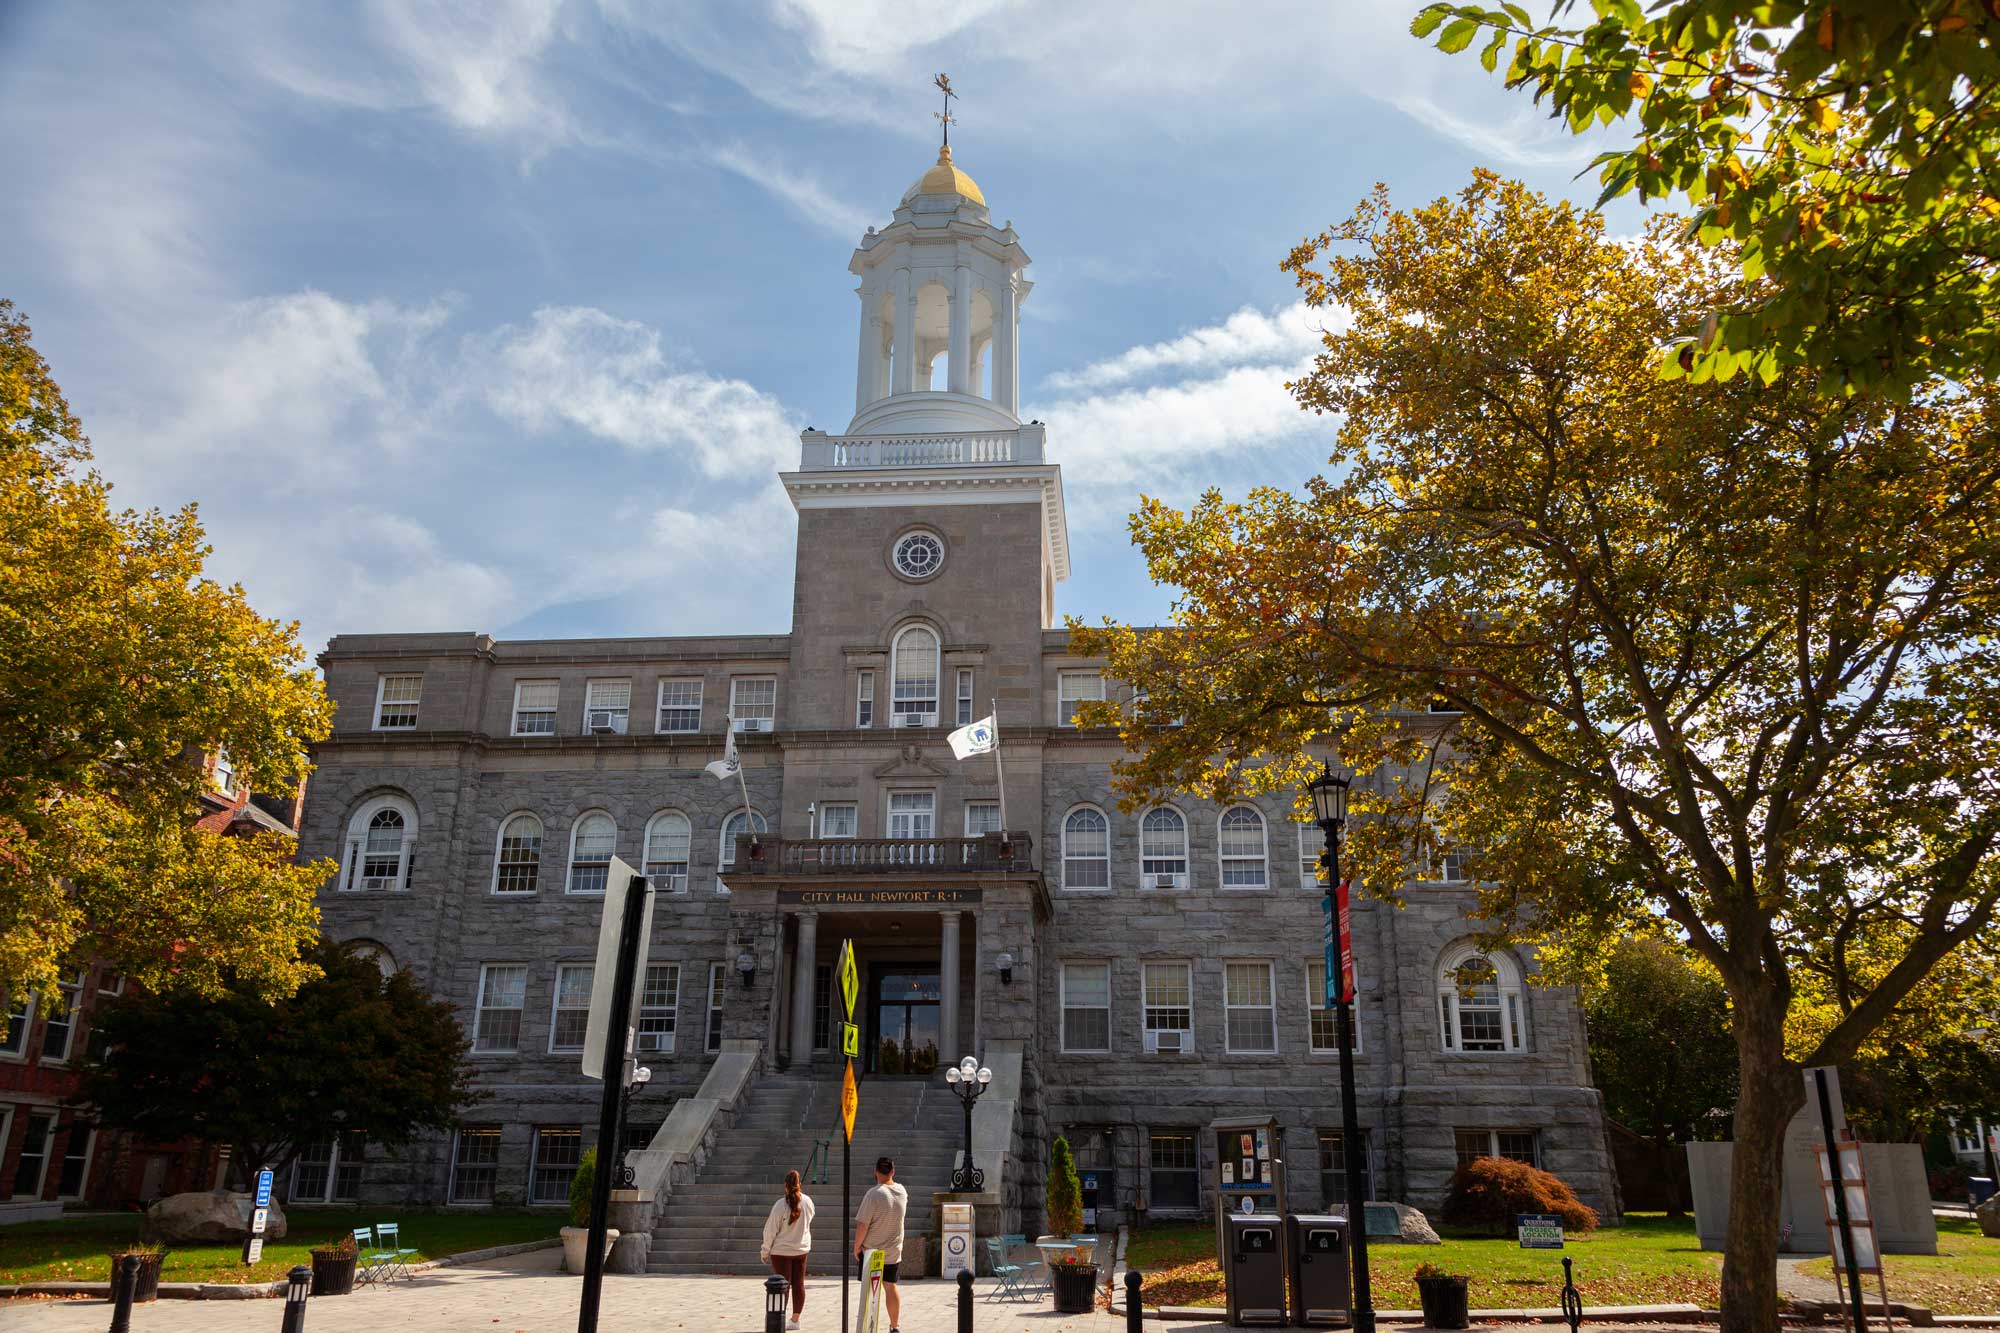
<point x="850" y="1102"/>
<point x="622" y="936"/>
<point x="260" y="1217"/>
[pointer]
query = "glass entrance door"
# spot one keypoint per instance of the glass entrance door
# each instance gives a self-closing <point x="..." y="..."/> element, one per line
<point x="905" y="1039"/>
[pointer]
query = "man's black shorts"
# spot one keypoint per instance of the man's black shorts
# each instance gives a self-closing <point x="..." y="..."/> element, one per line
<point x="889" y="1273"/>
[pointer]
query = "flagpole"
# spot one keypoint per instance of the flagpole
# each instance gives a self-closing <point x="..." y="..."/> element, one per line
<point x="999" y="770"/>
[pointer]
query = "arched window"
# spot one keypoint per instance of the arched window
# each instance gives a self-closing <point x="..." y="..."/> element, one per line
<point x="914" y="669"/>
<point x="374" y="953"/>
<point x="517" y="863"/>
<point x="381" y="840"/>
<point x="667" y="840"/>
<point x="740" y="822"/>
<point x="592" y="839"/>
<point x="1163" y="849"/>
<point x="1479" y="1003"/>
<point x="1240" y="842"/>
<point x="1086" y="849"/>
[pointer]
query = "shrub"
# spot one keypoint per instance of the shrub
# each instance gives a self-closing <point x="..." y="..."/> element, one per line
<point x="339" y="1247"/>
<point x="1951" y="1182"/>
<point x="1487" y="1192"/>
<point x="1065" y="1202"/>
<point x="580" y="1189"/>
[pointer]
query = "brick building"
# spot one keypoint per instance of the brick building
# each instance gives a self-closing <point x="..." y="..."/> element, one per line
<point x="1127" y="977"/>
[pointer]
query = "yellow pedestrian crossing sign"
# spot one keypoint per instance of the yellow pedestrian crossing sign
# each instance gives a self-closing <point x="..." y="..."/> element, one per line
<point x="850" y="1039"/>
<point x="850" y="1101"/>
<point x="849" y="985"/>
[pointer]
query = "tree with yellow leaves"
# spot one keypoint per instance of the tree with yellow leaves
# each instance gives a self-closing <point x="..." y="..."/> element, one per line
<point x="119" y="666"/>
<point x="1714" y="660"/>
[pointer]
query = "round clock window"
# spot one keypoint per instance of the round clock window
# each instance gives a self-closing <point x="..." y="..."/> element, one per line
<point x="918" y="555"/>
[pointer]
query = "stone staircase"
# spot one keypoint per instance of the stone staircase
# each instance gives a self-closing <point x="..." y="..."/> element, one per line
<point x="715" y="1224"/>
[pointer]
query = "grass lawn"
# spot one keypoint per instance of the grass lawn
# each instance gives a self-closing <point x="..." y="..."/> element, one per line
<point x="1646" y="1261"/>
<point x="1963" y="1277"/>
<point x="77" y="1249"/>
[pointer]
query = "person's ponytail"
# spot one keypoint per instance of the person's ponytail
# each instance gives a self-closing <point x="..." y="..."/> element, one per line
<point x="792" y="1193"/>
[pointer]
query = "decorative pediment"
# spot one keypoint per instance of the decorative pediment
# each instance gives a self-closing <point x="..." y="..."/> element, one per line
<point x="912" y="763"/>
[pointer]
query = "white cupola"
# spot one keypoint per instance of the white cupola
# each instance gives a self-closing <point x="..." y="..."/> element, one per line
<point x="941" y="292"/>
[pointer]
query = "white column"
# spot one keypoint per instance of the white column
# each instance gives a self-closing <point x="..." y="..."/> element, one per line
<point x="867" y="367"/>
<point x="903" y="373"/>
<point x="948" y="1037"/>
<point x="802" y="988"/>
<point x="1007" y="349"/>
<point x="960" y="380"/>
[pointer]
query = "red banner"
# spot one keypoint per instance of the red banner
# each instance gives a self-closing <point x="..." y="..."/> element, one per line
<point x="1346" y="946"/>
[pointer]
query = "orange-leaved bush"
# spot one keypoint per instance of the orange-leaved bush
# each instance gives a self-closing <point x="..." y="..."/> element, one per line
<point x="1488" y="1192"/>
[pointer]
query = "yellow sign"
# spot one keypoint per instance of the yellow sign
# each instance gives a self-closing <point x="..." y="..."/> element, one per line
<point x="849" y="983"/>
<point x="850" y="1101"/>
<point x="850" y="1039"/>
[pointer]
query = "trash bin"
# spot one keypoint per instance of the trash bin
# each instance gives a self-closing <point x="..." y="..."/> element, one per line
<point x="1982" y="1189"/>
<point x="1317" y="1247"/>
<point x="1253" y="1269"/>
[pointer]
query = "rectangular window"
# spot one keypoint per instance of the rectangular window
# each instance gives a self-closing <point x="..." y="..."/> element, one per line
<point x="61" y="1027"/>
<point x="964" y="696"/>
<point x="1333" y="1167"/>
<point x="558" y="1151"/>
<point x="396" y="699"/>
<point x="981" y="818"/>
<point x="822" y="1007"/>
<point x="840" y="820"/>
<point x="660" y="1008"/>
<point x="76" y="1160"/>
<point x="667" y="840"/>
<point x="639" y="1135"/>
<point x="348" y="1154"/>
<point x="496" y="1023"/>
<point x="1312" y="876"/>
<point x="33" y="1165"/>
<point x="1517" y="1145"/>
<point x="607" y="707"/>
<point x="475" y="1164"/>
<point x="1086" y="1007"/>
<point x="535" y="707"/>
<point x="680" y="707"/>
<point x="713" y="1040"/>
<point x="1172" y="1182"/>
<point x="1325" y="1022"/>
<point x="312" y="1173"/>
<point x="224" y="773"/>
<point x="1167" y="1002"/>
<point x="20" y="1021"/>
<point x="864" y="699"/>
<point x="913" y="814"/>
<point x="753" y="702"/>
<point x="572" y="1006"/>
<point x="1250" y="1015"/>
<point x="1073" y="688"/>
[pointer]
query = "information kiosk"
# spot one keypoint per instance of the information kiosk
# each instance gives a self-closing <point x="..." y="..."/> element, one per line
<point x="1250" y="1219"/>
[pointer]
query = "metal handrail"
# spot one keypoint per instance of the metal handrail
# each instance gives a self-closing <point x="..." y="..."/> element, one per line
<point x="821" y="1159"/>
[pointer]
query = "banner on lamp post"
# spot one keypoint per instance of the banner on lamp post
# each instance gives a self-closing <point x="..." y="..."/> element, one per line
<point x="1346" y="945"/>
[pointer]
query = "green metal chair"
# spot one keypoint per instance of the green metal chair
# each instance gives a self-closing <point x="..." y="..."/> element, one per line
<point x="1006" y="1275"/>
<point x="369" y="1262"/>
<point x="389" y="1237"/>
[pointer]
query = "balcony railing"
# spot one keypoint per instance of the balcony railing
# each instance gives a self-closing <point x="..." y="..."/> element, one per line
<point x="990" y="854"/>
<point x="985" y="448"/>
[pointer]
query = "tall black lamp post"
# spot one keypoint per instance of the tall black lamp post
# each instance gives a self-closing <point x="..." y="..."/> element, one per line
<point x="969" y="1079"/>
<point x="1329" y="798"/>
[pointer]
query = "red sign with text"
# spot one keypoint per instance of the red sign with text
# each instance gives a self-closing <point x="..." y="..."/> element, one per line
<point x="1346" y="946"/>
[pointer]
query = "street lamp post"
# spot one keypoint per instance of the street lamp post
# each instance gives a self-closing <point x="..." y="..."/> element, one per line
<point x="1329" y="797"/>
<point x="969" y="1079"/>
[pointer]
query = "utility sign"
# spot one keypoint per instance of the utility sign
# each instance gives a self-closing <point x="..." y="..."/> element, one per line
<point x="1539" y="1231"/>
<point x="850" y="1101"/>
<point x="850" y="1040"/>
<point x="260" y="1217"/>
<point x="850" y="985"/>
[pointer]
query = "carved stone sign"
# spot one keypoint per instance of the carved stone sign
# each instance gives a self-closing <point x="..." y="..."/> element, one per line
<point x="873" y="897"/>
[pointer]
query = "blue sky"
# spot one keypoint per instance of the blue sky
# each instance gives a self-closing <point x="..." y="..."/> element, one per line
<point x="504" y="316"/>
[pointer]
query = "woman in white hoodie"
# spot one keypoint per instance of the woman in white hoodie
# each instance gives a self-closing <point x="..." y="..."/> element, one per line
<point x="788" y="1239"/>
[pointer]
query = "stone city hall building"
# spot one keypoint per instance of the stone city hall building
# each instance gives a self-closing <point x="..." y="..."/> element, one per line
<point x="1128" y="978"/>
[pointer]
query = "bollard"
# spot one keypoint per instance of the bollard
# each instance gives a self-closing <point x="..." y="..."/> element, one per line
<point x="965" y="1300"/>
<point x="1135" y="1315"/>
<point x="121" y="1294"/>
<point x="777" y="1298"/>
<point x="1572" y="1299"/>
<point x="298" y="1286"/>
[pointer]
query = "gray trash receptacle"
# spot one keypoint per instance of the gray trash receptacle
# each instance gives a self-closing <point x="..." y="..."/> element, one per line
<point x="1253" y="1269"/>
<point x="1317" y="1246"/>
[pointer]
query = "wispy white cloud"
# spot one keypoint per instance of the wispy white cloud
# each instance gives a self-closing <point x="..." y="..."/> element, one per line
<point x="810" y="197"/>
<point x="1523" y="138"/>
<point x="1249" y="335"/>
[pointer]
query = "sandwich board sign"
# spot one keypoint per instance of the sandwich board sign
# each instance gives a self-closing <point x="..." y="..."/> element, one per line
<point x="599" y="1029"/>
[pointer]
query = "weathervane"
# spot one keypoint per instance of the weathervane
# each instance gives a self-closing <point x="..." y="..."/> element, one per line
<point x="944" y="117"/>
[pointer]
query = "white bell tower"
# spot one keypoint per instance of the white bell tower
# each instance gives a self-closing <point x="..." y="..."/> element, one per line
<point x="941" y="292"/>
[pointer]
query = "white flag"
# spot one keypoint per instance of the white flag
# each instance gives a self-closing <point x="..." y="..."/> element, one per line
<point x="974" y="738"/>
<point x="725" y="768"/>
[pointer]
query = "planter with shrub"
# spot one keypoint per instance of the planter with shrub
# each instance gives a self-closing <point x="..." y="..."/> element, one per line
<point x="1072" y="1277"/>
<point x="333" y="1266"/>
<point x="1487" y="1193"/>
<point x="1446" y="1297"/>
<point x="150" y="1258"/>
<point x="576" y="1236"/>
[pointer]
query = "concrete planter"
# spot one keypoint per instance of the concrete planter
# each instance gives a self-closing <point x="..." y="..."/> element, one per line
<point x="573" y="1241"/>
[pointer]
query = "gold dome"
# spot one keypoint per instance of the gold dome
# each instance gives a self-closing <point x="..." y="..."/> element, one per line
<point x="944" y="178"/>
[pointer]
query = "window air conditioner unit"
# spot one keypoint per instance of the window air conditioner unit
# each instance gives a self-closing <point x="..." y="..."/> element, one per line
<point x="378" y="882"/>
<point x="1167" y="1041"/>
<point x="602" y="722"/>
<point x="753" y="724"/>
<point x="916" y="719"/>
<point x="1166" y="881"/>
<point x="662" y="1042"/>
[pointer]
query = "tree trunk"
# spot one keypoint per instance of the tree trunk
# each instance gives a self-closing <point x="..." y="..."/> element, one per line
<point x="1769" y="1095"/>
<point x="1670" y="1179"/>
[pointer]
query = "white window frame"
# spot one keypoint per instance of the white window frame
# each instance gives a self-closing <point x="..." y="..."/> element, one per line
<point x="1066" y="702"/>
<point x="920" y="812"/>
<point x="29" y="1115"/>
<point x="1312" y="841"/>
<point x="557" y="1008"/>
<point x="480" y="1009"/>
<point x="569" y="865"/>
<point x="72" y="995"/>
<point x="1225" y="859"/>
<point x="964" y="694"/>
<point x="1512" y="1005"/>
<point x="535" y="1160"/>
<point x="1316" y="1005"/>
<point x="1146" y="1006"/>
<point x="89" y="1133"/>
<point x="655" y="1013"/>
<point x="548" y="713"/>
<point x="494" y="1134"/>
<point x="358" y="826"/>
<point x="978" y="829"/>
<point x="18" y="1032"/>
<point x="1063" y="1007"/>
<point x="1270" y="1006"/>
<point x="223" y="771"/>
<point x="500" y="849"/>
<point x="676" y="883"/>
<point x="1493" y="1141"/>
<point x="1153" y="868"/>
<point x="725" y="842"/>
<point x="864" y="699"/>
<point x="711" y="1014"/>
<point x="617" y="716"/>
<point x="330" y="1191"/>
<point x="829" y="827"/>
<point x="1068" y="887"/>
<point x="921" y="707"/>
<point x="382" y="679"/>
<point x="766" y="716"/>
<point x="660" y="726"/>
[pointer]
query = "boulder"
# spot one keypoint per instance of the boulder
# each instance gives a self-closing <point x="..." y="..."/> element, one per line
<point x="1988" y="1214"/>
<point x="209" y="1216"/>
<point x="1412" y="1227"/>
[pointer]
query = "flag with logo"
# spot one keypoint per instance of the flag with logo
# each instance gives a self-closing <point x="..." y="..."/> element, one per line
<point x="974" y="738"/>
<point x="729" y="765"/>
